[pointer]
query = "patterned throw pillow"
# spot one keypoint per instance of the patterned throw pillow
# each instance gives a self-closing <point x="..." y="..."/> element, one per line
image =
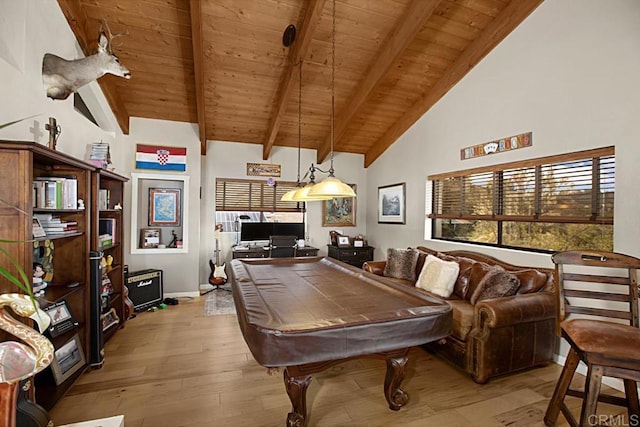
<point x="438" y="276"/>
<point x="401" y="263"/>
<point x="496" y="283"/>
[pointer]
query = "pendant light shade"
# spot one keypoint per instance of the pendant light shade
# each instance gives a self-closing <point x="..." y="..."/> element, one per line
<point x="304" y="194"/>
<point x="331" y="187"/>
<point x="288" y="196"/>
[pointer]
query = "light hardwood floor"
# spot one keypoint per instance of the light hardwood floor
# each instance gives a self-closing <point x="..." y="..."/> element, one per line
<point x="177" y="367"/>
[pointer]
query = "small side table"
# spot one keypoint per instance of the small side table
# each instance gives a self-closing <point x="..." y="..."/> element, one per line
<point x="355" y="256"/>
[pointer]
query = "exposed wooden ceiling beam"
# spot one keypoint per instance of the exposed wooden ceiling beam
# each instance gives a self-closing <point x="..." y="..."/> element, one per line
<point x="299" y="51"/>
<point x="500" y="27"/>
<point x="77" y="19"/>
<point x="198" y="70"/>
<point x="398" y="39"/>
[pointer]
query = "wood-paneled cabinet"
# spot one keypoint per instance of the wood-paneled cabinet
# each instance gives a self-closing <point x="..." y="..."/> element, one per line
<point x="107" y="220"/>
<point x="65" y="256"/>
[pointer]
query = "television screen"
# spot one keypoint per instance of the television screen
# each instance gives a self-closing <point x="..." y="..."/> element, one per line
<point x="252" y="231"/>
<point x="289" y="229"/>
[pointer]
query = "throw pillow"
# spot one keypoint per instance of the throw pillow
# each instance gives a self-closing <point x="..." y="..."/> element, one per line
<point x="438" y="276"/>
<point x="531" y="280"/>
<point x="401" y="264"/>
<point x="496" y="283"/>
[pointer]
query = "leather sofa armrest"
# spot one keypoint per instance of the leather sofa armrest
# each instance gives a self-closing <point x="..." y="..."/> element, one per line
<point x="515" y="309"/>
<point x="375" y="267"/>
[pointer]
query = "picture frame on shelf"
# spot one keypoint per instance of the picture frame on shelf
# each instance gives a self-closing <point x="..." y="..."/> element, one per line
<point x="391" y="204"/>
<point x="164" y="207"/>
<point x="62" y="318"/>
<point x="67" y="360"/>
<point x="343" y="241"/>
<point x="150" y="237"/>
<point x="109" y="319"/>
<point x="339" y="211"/>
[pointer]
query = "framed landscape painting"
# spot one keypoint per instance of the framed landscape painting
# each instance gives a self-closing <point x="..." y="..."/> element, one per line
<point x="391" y="204"/>
<point x="339" y="211"/>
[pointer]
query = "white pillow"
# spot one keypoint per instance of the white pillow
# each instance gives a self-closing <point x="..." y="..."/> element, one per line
<point x="438" y="276"/>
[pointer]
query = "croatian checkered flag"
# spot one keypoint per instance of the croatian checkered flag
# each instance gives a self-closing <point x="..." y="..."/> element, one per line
<point x="163" y="156"/>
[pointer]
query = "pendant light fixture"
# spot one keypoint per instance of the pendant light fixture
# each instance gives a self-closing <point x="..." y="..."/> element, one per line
<point x="331" y="186"/>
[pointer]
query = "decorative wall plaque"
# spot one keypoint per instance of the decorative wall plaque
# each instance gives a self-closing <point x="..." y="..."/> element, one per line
<point x="498" y="146"/>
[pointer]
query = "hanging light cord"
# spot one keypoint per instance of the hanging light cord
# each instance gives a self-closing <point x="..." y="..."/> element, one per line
<point x="333" y="79"/>
<point x="299" y="119"/>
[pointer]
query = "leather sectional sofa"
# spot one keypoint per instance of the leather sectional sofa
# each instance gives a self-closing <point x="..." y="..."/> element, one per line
<point x="493" y="336"/>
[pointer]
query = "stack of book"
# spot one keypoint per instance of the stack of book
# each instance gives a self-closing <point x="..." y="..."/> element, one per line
<point x="106" y="240"/>
<point x="54" y="225"/>
<point x="107" y="230"/>
<point x="100" y="155"/>
<point x="55" y="192"/>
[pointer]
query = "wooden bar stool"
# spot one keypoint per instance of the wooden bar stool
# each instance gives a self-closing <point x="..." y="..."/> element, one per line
<point x="607" y="347"/>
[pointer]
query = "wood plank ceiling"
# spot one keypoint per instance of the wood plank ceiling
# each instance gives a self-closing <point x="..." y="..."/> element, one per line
<point x="222" y="64"/>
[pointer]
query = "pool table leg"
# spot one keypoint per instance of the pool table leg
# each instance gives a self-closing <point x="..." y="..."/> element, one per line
<point x="296" y="384"/>
<point x="396" y="362"/>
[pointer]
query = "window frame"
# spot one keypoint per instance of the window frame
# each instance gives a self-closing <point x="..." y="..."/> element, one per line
<point x="600" y="213"/>
<point x="268" y="196"/>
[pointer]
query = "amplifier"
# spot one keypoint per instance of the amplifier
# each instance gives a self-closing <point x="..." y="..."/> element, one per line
<point x="145" y="288"/>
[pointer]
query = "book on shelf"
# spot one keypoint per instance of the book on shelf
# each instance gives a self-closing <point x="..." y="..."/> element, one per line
<point x="53" y="192"/>
<point x="61" y="232"/>
<point x="52" y="229"/>
<point x="107" y="226"/>
<point x="103" y="199"/>
<point x="38" y="231"/>
<point x="106" y="240"/>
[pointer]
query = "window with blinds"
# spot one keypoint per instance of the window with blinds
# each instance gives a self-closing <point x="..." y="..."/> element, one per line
<point x="254" y="196"/>
<point x="551" y="204"/>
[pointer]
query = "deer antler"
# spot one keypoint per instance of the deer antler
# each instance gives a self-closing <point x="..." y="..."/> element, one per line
<point x="104" y="27"/>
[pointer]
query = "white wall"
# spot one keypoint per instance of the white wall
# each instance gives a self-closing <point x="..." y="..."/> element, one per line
<point x="180" y="270"/>
<point x="229" y="160"/>
<point x="568" y="73"/>
<point x="28" y="30"/>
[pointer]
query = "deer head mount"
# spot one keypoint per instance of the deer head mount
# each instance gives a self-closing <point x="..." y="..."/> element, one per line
<point x="62" y="77"/>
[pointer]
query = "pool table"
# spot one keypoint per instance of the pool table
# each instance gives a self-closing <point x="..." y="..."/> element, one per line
<point x="308" y="314"/>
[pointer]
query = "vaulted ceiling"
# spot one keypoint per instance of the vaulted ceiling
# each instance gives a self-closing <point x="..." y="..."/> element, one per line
<point x="222" y="64"/>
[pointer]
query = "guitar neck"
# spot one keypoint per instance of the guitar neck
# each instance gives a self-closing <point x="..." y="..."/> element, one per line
<point x="217" y="247"/>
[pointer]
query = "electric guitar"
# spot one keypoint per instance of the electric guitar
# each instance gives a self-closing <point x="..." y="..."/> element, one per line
<point x="218" y="276"/>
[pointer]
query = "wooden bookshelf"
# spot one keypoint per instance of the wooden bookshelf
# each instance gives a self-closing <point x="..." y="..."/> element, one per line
<point x="113" y="211"/>
<point x="20" y="164"/>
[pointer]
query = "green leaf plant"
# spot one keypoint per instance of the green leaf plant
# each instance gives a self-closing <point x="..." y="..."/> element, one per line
<point x="4" y="125"/>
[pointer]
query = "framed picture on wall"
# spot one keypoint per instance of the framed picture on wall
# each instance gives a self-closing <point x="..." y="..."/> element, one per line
<point x="164" y="207"/>
<point x="339" y="211"/>
<point x="391" y="204"/>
